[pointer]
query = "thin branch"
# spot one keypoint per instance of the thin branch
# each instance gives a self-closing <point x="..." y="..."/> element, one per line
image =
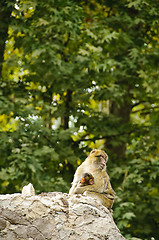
<point x="100" y="138"/>
<point x="146" y="109"/>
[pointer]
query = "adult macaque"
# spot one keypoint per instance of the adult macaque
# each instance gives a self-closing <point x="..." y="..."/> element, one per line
<point x="95" y="165"/>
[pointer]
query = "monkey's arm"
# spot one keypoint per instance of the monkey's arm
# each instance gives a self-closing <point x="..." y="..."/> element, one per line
<point x="106" y="194"/>
<point x="106" y="197"/>
<point x="102" y="198"/>
<point x="78" y="187"/>
<point x="81" y="189"/>
<point x="109" y="192"/>
<point x="77" y="178"/>
<point x="101" y="181"/>
<point x="75" y="183"/>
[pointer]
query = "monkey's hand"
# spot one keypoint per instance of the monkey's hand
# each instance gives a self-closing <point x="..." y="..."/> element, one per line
<point x="81" y="189"/>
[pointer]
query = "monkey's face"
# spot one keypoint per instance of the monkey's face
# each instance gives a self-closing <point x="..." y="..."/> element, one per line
<point x="87" y="179"/>
<point x="99" y="158"/>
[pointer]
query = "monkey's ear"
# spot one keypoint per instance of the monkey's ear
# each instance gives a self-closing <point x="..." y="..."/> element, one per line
<point x="93" y="151"/>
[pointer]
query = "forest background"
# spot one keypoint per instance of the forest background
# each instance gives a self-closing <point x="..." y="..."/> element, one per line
<point x="78" y="75"/>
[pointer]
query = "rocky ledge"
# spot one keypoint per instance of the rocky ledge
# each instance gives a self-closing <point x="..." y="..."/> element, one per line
<point x="55" y="216"/>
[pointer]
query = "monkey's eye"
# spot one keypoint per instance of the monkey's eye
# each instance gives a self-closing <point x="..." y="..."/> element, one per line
<point x="101" y="156"/>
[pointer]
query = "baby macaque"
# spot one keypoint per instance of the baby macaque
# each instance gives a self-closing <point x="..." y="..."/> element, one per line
<point x="99" y="187"/>
<point x="87" y="179"/>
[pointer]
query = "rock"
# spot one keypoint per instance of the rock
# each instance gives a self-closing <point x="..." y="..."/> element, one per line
<point x="55" y="216"/>
<point x="28" y="190"/>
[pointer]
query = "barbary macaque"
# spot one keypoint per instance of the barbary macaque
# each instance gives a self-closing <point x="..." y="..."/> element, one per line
<point x="100" y="188"/>
<point x="87" y="179"/>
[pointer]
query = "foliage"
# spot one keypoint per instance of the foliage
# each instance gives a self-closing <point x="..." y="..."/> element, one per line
<point x="79" y="75"/>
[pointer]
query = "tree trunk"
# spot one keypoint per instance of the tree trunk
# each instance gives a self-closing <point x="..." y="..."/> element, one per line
<point x="6" y="8"/>
<point x="67" y="102"/>
<point x="121" y="112"/>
